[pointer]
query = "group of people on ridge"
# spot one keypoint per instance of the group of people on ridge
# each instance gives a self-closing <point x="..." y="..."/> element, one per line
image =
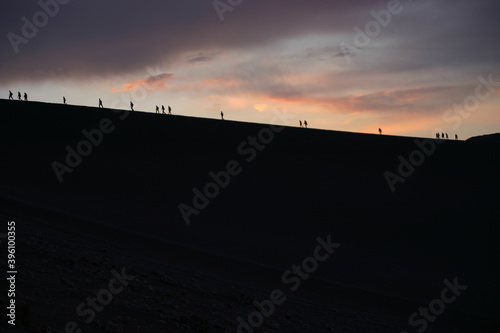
<point x="445" y="136"/>
<point x="132" y="107"/>
<point x="301" y="124"/>
<point x="11" y="96"/>
<point x="157" y="109"/>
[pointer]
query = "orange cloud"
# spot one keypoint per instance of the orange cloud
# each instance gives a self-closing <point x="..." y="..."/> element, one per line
<point x="222" y="82"/>
<point x="260" y="107"/>
<point x="150" y="83"/>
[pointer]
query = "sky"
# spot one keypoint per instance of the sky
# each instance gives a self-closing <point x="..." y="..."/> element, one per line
<point x="412" y="67"/>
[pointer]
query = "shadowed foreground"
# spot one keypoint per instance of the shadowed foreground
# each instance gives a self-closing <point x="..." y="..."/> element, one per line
<point x="119" y="208"/>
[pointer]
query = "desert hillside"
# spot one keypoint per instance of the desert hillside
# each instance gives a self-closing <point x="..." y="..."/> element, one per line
<point x="272" y="192"/>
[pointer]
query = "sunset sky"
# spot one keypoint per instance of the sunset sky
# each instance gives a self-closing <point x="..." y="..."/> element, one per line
<point x="329" y="62"/>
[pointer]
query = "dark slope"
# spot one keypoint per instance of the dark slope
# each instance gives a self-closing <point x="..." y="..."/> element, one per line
<point x="441" y="223"/>
<point x="491" y="138"/>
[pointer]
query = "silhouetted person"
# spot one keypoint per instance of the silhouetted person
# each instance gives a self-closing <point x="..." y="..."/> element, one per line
<point x="131" y="106"/>
<point x="163" y="109"/>
<point x="446" y="136"/>
<point x="25" y="96"/>
<point x="437" y="135"/>
<point x="169" y="110"/>
<point x="456" y="137"/>
<point x="380" y="131"/>
<point x="305" y="123"/>
<point x="11" y="95"/>
<point x="442" y="135"/>
<point x="300" y="123"/>
<point x="100" y="103"/>
<point x="157" y="109"/>
<point x="64" y="100"/>
<point x="222" y="115"/>
<point x="19" y="96"/>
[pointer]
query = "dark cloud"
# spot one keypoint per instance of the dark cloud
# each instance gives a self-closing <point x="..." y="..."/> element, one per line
<point x="98" y="38"/>
<point x="151" y="83"/>
<point x="160" y="78"/>
<point x="89" y="38"/>
<point x="201" y="57"/>
<point x="445" y="34"/>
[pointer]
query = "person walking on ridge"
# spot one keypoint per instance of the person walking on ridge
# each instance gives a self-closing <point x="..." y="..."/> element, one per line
<point x="300" y="123"/>
<point x="380" y="131"/>
<point x="305" y="123"/>
<point x="222" y="115"/>
<point x="11" y="95"/>
<point x="169" y="110"/>
<point x="100" y="103"/>
<point x="25" y="96"/>
<point x="131" y="106"/>
<point x="19" y="95"/>
<point x="163" y="109"/>
<point x="64" y="100"/>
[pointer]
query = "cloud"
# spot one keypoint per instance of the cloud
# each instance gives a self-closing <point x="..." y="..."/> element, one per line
<point x="260" y="107"/>
<point x="390" y="100"/>
<point x="201" y="57"/>
<point x="98" y="39"/>
<point x="94" y="39"/>
<point x="152" y="83"/>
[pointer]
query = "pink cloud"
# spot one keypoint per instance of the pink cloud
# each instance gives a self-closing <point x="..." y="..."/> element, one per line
<point x="152" y="83"/>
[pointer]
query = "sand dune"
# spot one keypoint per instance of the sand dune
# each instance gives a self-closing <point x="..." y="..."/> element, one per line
<point x="271" y="198"/>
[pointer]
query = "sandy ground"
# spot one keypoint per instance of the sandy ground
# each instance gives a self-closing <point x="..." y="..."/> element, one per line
<point x="59" y="269"/>
<point x="119" y="210"/>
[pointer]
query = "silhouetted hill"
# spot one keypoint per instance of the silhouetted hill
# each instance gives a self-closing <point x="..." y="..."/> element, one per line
<point x="440" y="223"/>
<point x="492" y="138"/>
